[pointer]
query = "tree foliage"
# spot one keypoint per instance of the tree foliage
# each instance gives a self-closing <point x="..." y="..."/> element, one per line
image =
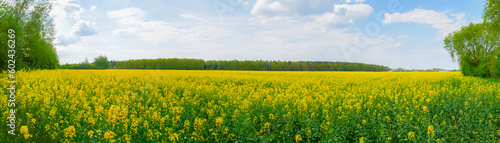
<point x="101" y="62"/>
<point x="496" y="66"/>
<point x="34" y="34"/>
<point x="198" y="64"/>
<point x="492" y="11"/>
<point x="84" y="65"/>
<point x="476" y="46"/>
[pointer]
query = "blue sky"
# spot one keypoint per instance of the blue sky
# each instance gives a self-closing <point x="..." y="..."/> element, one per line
<point x="395" y="33"/>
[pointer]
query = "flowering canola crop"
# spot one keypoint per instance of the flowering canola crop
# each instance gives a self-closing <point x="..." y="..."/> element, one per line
<point x="250" y="106"/>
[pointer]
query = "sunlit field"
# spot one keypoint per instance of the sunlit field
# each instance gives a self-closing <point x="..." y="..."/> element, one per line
<point x="251" y="106"/>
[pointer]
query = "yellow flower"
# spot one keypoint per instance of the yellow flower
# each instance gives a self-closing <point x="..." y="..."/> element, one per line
<point x="219" y="121"/>
<point x="24" y="132"/>
<point x="425" y="109"/>
<point x="364" y="122"/>
<point x="267" y="125"/>
<point x="174" y="137"/>
<point x="362" y="140"/>
<point x="430" y="130"/>
<point x="298" y="138"/>
<point x="411" y="136"/>
<point x="69" y="132"/>
<point x="109" y="135"/>
<point x="91" y="134"/>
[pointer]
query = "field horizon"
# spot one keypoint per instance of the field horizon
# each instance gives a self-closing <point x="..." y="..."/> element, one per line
<point x="237" y="71"/>
<point x="248" y="106"/>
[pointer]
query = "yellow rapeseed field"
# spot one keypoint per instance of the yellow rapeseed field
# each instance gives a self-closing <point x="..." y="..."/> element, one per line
<point x="250" y="106"/>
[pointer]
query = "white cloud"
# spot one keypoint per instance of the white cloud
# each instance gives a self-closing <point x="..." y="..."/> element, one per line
<point x="66" y="9"/>
<point x="154" y="32"/>
<point x="64" y="12"/>
<point x="268" y="8"/>
<point x="93" y="7"/>
<point x="272" y="8"/>
<point x="345" y="14"/>
<point x="442" y="21"/>
<point x="80" y="29"/>
<point x="421" y="16"/>
<point x="127" y="16"/>
<point x="85" y="28"/>
<point x="274" y="12"/>
<point x="190" y="16"/>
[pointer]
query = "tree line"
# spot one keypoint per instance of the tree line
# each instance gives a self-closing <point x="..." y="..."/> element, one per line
<point x="259" y="65"/>
<point x="476" y="46"/>
<point x="100" y="62"/>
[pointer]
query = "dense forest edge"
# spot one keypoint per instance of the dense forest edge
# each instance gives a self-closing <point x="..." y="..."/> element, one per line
<point x="199" y="64"/>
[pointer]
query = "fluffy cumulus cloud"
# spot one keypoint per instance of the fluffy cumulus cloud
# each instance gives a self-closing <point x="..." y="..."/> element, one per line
<point x="85" y="28"/>
<point x="80" y="29"/>
<point x="270" y="8"/>
<point x="444" y="22"/>
<point x="68" y="12"/>
<point x="271" y="12"/>
<point x="345" y="14"/>
<point x="64" y="9"/>
<point x="132" y="23"/>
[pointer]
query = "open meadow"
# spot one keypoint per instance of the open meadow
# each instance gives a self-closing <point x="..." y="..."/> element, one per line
<point x="251" y="106"/>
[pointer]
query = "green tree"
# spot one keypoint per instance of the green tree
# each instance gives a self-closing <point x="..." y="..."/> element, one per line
<point x="101" y="62"/>
<point x="491" y="14"/>
<point x="34" y="33"/>
<point x="295" y="66"/>
<point x="304" y="67"/>
<point x="323" y="67"/>
<point x="84" y="65"/>
<point x="474" y="46"/>
<point x="330" y="67"/>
